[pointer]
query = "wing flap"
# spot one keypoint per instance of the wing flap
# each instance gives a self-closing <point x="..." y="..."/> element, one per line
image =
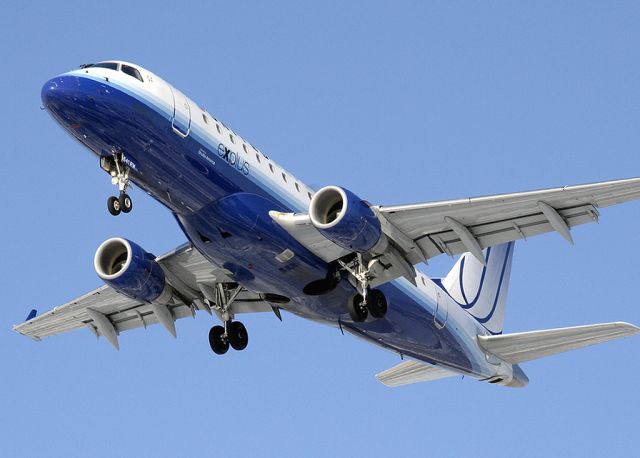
<point x="410" y="372"/>
<point x="526" y="346"/>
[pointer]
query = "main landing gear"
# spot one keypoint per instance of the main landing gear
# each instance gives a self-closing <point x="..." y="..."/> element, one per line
<point x="373" y="303"/>
<point x="233" y="333"/>
<point x="114" y="165"/>
<point x="368" y="301"/>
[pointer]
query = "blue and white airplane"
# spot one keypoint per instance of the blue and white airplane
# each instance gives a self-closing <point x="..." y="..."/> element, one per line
<point x="260" y="240"/>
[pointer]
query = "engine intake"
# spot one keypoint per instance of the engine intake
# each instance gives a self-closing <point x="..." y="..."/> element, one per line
<point x="130" y="270"/>
<point x="345" y="219"/>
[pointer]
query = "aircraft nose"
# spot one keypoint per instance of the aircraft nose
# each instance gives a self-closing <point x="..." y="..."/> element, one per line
<point x="49" y="92"/>
<point x="59" y="97"/>
<point x="58" y="90"/>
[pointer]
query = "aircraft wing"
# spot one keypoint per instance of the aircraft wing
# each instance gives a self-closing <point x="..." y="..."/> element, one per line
<point x="423" y="231"/>
<point x="453" y="226"/>
<point x="187" y="271"/>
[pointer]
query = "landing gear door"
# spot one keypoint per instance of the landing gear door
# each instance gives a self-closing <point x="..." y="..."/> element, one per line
<point x="181" y="122"/>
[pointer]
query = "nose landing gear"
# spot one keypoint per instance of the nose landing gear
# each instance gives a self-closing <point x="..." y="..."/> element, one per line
<point x="123" y="204"/>
<point x="114" y="165"/>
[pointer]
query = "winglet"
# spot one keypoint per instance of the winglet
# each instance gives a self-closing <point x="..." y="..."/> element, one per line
<point x="32" y="314"/>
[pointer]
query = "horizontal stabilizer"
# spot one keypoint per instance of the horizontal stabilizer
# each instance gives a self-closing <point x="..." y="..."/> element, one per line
<point x="526" y="346"/>
<point x="412" y="372"/>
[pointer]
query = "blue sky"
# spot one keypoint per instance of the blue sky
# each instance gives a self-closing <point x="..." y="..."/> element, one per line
<point x="400" y="102"/>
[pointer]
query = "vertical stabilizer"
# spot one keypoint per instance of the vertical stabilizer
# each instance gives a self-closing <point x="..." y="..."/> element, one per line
<point x="482" y="289"/>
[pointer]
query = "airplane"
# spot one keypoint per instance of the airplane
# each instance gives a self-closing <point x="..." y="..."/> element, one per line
<point x="260" y="240"/>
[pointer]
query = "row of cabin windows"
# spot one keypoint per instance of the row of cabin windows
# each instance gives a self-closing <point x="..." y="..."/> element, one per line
<point x="244" y="147"/>
<point x="132" y="71"/>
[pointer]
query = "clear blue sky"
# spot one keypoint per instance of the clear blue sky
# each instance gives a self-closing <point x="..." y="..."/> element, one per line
<point x="399" y="101"/>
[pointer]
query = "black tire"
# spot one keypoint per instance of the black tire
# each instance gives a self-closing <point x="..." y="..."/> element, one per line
<point x="377" y="303"/>
<point x="238" y="336"/>
<point x="219" y="344"/>
<point x="113" y="204"/>
<point x="126" y="204"/>
<point x="357" y="311"/>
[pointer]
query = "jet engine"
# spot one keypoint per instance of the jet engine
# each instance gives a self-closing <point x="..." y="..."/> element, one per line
<point x="131" y="271"/>
<point x="345" y="219"/>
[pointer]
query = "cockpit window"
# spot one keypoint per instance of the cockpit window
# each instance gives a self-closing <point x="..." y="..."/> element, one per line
<point x="109" y="65"/>
<point x="131" y="71"/>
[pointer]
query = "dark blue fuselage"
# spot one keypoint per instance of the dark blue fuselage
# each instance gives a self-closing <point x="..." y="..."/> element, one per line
<point x="222" y="207"/>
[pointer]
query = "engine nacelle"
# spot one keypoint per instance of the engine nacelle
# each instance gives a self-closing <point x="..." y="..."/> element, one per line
<point x="345" y="219"/>
<point x="131" y="271"/>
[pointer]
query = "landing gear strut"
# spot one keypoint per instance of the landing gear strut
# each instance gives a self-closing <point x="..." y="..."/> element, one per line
<point x="114" y="165"/>
<point x="233" y="333"/>
<point x="368" y="301"/>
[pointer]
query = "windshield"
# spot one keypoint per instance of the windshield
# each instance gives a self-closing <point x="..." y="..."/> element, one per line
<point x="110" y="65"/>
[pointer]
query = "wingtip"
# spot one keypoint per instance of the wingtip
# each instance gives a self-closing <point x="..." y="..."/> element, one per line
<point x="633" y="329"/>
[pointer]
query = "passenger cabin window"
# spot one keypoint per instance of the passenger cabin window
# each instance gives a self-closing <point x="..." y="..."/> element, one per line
<point x="258" y="157"/>
<point x="244" y="147"/>
<point x="131" y="71"/>
<point x="205" y="119"/>
<point x="271" y="167"/>
<point x="284" y="177"/>
<point x="218" y="127"/>
<point x="309" y="194"/>
<point x="231" y="138"/>
<point x="297" y="187"/>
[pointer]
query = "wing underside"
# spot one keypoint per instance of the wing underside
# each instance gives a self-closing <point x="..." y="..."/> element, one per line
<point x="187" y="271"/>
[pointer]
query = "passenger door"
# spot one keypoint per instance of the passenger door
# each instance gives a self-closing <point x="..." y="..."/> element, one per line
<point x="442" y="311"/>
<point x="181" y="122"/>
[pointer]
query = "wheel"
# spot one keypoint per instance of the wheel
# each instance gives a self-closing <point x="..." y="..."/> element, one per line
<point x="126" y="204"/>
<point x="238" y="336"/>
<point x="217" y="340"/>
<point x="357" y="310"/>
<point x="113" y="204"/>
<point x="376" y="303"/>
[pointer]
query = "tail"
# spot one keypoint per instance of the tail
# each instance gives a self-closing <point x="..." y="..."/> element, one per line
<point x="482" y="289"/>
